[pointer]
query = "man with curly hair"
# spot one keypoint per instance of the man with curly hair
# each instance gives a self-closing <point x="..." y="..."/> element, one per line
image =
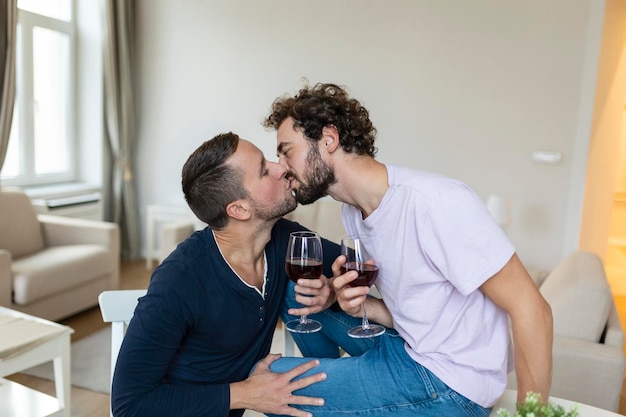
<point x="449" y="277"/>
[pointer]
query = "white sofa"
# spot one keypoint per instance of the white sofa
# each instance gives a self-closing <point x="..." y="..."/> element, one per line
<point x="51" y="266"/>
<point x="588" y="348"/>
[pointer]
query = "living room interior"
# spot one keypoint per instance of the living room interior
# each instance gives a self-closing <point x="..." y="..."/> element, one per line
<point x="522" y="100"/>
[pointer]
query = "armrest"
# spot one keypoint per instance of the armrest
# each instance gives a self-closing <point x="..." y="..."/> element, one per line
<point x="579" y="361"/>
<point x="586" y="372"/>
<point x="172" y="234"/>
<point x="614" y="333"/>
<point x="591" y="373"/>
<point x="59" y="230"/>
<point x="588" y="358"/>
<point x="6" y="284"/>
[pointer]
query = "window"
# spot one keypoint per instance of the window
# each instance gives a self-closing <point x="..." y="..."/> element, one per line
<point x="41" y="145"/>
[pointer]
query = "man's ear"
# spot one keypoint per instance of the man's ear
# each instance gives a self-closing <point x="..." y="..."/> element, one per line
<point x="330" y="138"/>
<point x="238" y="210"/>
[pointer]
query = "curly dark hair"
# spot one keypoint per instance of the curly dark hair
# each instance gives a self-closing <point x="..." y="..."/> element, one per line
<point x="209" y="184"/>
<point x="314" y="108"/>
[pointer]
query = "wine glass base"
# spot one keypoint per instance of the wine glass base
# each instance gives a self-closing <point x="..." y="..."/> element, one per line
<point x="309" y="326"/>
<point x="372" y="331"/>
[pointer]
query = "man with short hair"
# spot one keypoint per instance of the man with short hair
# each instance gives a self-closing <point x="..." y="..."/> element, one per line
<point x="212" y="306"/>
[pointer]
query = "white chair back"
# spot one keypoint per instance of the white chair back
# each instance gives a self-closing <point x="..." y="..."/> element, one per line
<point x="118" y="307"/>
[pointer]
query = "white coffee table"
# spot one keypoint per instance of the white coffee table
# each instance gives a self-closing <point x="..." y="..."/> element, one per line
<point x="31" y="341"/>
<point x="509" y="398"/>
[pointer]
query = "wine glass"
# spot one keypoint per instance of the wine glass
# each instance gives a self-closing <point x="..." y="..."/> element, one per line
<point x="304" y="260"/>
<point x="354" y="248"/>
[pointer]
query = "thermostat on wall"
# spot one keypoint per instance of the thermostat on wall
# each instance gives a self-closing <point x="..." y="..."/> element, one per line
<point x="546" y="157"/>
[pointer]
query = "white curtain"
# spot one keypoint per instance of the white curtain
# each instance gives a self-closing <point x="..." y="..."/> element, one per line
<point x="119" y="118"/>
<point x="8" y="19"/>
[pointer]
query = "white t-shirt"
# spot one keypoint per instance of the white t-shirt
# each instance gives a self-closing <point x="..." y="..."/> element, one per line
<point x="435" y="244"/>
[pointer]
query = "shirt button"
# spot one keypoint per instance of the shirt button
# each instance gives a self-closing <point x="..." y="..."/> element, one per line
<point x="261" y="320"/>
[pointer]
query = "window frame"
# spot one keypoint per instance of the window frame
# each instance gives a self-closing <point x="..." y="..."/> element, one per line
<point x="26" y="22"/>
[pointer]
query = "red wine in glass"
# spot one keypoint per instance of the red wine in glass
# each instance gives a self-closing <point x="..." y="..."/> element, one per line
<point x="306" y="268"/>
<point x="367" y="273"/>
<point x="303" y="260"/>
<point x="358" y="258"/>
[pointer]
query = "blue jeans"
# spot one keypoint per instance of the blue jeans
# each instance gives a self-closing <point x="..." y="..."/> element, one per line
<point x="378" y="379"/>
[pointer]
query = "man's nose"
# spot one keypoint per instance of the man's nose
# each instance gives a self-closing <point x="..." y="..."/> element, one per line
<point x="280" y="170"/>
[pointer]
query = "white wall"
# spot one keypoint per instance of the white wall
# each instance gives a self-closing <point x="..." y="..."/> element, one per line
<point x="467" y="89"/>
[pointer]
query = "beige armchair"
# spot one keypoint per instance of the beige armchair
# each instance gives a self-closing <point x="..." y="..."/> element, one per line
<point x="588" y="348"/>
<point x="52" y="266"/>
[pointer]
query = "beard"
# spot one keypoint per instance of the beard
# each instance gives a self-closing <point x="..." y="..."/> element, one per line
<point x="265" y="212"/>
<point x="319" y="177"/>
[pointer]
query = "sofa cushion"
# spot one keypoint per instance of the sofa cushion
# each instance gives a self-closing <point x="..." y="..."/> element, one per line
<point x="20" y="232"/>
<point x="58" y="268"/>
<point x="580" y="296"/>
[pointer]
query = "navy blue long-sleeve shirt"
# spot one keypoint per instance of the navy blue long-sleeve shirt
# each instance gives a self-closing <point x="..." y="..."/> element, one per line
<point x="200" y="328"/>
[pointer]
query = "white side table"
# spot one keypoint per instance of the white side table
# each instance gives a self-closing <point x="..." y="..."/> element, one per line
<point x="158" y="214"/>
<point x="37" y="341"/>
<point x="20" y="401"/>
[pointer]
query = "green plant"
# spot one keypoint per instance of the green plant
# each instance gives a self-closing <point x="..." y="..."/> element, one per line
<point x="534" y="407"/>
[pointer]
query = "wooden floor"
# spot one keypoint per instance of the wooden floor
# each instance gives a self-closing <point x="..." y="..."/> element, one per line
<point x="134" y="276"/>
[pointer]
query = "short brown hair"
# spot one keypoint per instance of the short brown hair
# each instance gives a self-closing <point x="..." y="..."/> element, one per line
<point x="209" y="184"/>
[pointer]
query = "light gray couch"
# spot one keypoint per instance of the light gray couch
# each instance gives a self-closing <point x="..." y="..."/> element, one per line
<point x="52" y="266"/>
<point x="588" y="348"/>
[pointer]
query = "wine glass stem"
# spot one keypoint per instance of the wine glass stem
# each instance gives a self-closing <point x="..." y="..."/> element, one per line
<point x="365" y="323"/>
<point x="303" y="319"/>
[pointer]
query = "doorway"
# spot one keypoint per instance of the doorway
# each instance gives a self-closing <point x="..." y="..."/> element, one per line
<point x="615" y="261"/>
<point x="603" y="224"/>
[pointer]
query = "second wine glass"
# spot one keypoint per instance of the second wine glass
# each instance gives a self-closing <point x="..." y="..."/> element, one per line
<point x="304" y="259"/>
<point x="358" y="258"/>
